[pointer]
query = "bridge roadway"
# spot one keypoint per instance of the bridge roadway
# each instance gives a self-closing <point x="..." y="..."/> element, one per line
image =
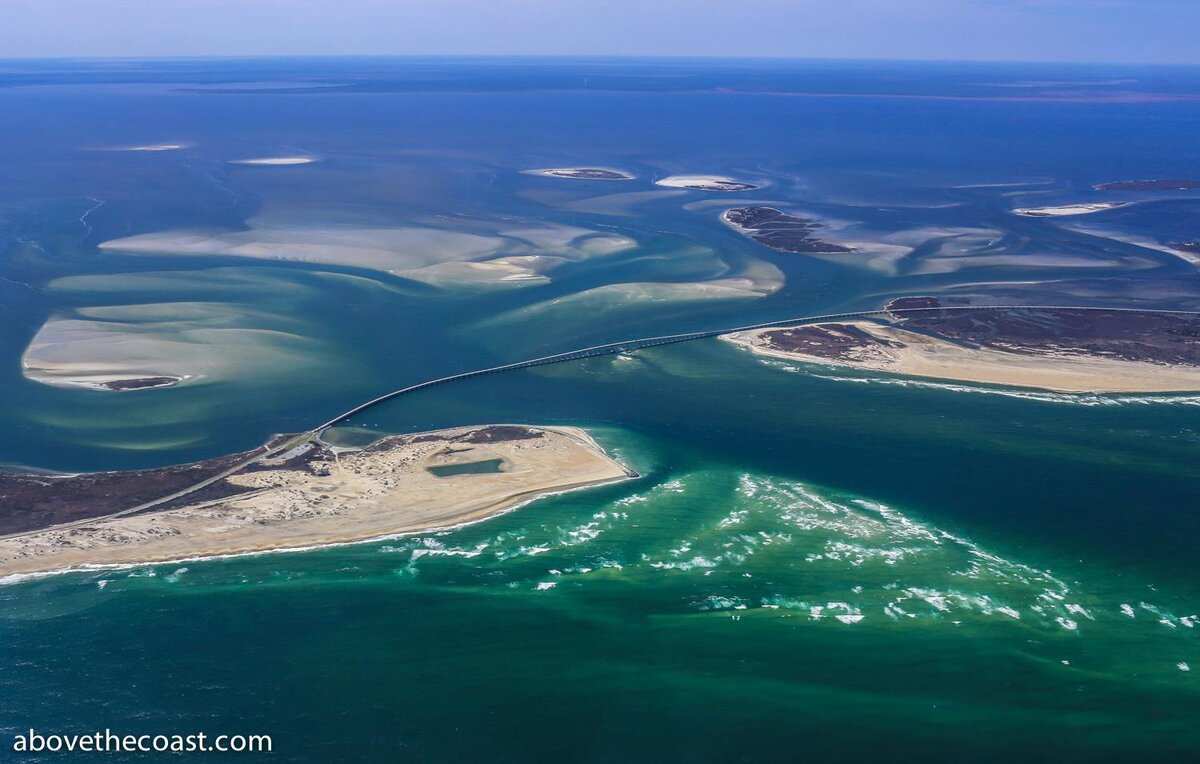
<point x="608" y="348"/>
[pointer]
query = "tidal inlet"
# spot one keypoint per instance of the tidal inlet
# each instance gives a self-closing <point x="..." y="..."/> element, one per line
<point x="642" y="409"/>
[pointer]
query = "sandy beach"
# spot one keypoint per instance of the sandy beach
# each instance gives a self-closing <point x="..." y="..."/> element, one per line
<point x="898" y="351"/>
<point x="321" y="496"/>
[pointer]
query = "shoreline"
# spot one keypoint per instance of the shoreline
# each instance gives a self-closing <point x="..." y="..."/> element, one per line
<point x="383" y="490"/>
<point x="7" y="579"/>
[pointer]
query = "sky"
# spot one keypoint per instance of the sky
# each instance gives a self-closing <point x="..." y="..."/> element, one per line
<point x="1118" y="31"/>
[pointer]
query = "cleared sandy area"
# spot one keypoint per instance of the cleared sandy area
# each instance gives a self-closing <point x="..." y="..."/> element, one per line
<point x="898" y="351"/>
<point x="1067" y="210"/>
<point x="705" y="183"/>
<point x="275" y="161"/>
<point x="383" y="490"/>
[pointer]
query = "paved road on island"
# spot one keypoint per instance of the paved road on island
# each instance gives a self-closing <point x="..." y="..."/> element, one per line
<point x="608" y="348"/>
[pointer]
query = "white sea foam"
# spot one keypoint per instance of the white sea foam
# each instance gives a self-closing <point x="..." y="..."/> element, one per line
<point x="1077" y="399"/>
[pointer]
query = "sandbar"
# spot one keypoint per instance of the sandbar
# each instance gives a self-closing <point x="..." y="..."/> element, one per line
<point x="139" y="347"/>
<point x="153" y="147"/>
<point x="315" y="495"/>
<point x="1068" y="210"/>
<point x="705" y="183"/>
<point x="581" y="173"/>
<point x="1163" y="184"/>
<point x="275" y="161"/>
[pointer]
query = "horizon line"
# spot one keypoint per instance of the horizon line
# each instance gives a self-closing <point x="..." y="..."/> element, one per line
<point x="593" y="57"/>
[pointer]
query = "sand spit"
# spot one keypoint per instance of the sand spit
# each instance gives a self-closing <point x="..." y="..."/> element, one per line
<point x="1067" y="210"/>
<point x="318" y="497"/>
<point x="706" y="183"/>
<point x="880" y="347"/>
<point x="581" y="173"/>
<point x="275" y="161"/>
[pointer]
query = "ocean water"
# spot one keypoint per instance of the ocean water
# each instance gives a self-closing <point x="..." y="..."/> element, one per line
<point x="814" y="562"/>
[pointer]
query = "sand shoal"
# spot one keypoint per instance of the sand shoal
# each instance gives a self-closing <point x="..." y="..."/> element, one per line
<point x="1067" y="210"/>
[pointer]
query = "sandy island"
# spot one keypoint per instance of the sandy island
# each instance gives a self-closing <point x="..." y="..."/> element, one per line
<point x="781" y="231"/>
<point x="152" y="147"/>
<point x="1087" y="354"/>
<point x="275" y="161"/>
<point x="315" y="495"/>
<point x="581" y="173"/>
<point x="1068" y="210"/>
<point x="705" y="183"/>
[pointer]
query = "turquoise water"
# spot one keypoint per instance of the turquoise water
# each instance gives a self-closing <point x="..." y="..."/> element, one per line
<point x="814" y="562"/>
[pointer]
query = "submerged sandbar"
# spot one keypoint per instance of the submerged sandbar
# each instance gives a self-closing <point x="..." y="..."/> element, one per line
<point x="1163" y="184"/>
<point x="1073" y="351"/>
<point x="314" y="494"/>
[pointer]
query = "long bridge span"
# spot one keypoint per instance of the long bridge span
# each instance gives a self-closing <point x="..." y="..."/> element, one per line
<point x="607" y="348"/>
<point x="641" y="343"/>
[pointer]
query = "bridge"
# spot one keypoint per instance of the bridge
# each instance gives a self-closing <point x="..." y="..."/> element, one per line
<point x="608" y="348"/>
<point x="641" y="343"/>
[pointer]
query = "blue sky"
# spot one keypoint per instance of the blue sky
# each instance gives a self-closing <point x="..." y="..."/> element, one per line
<point x="1152" y="31"/>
